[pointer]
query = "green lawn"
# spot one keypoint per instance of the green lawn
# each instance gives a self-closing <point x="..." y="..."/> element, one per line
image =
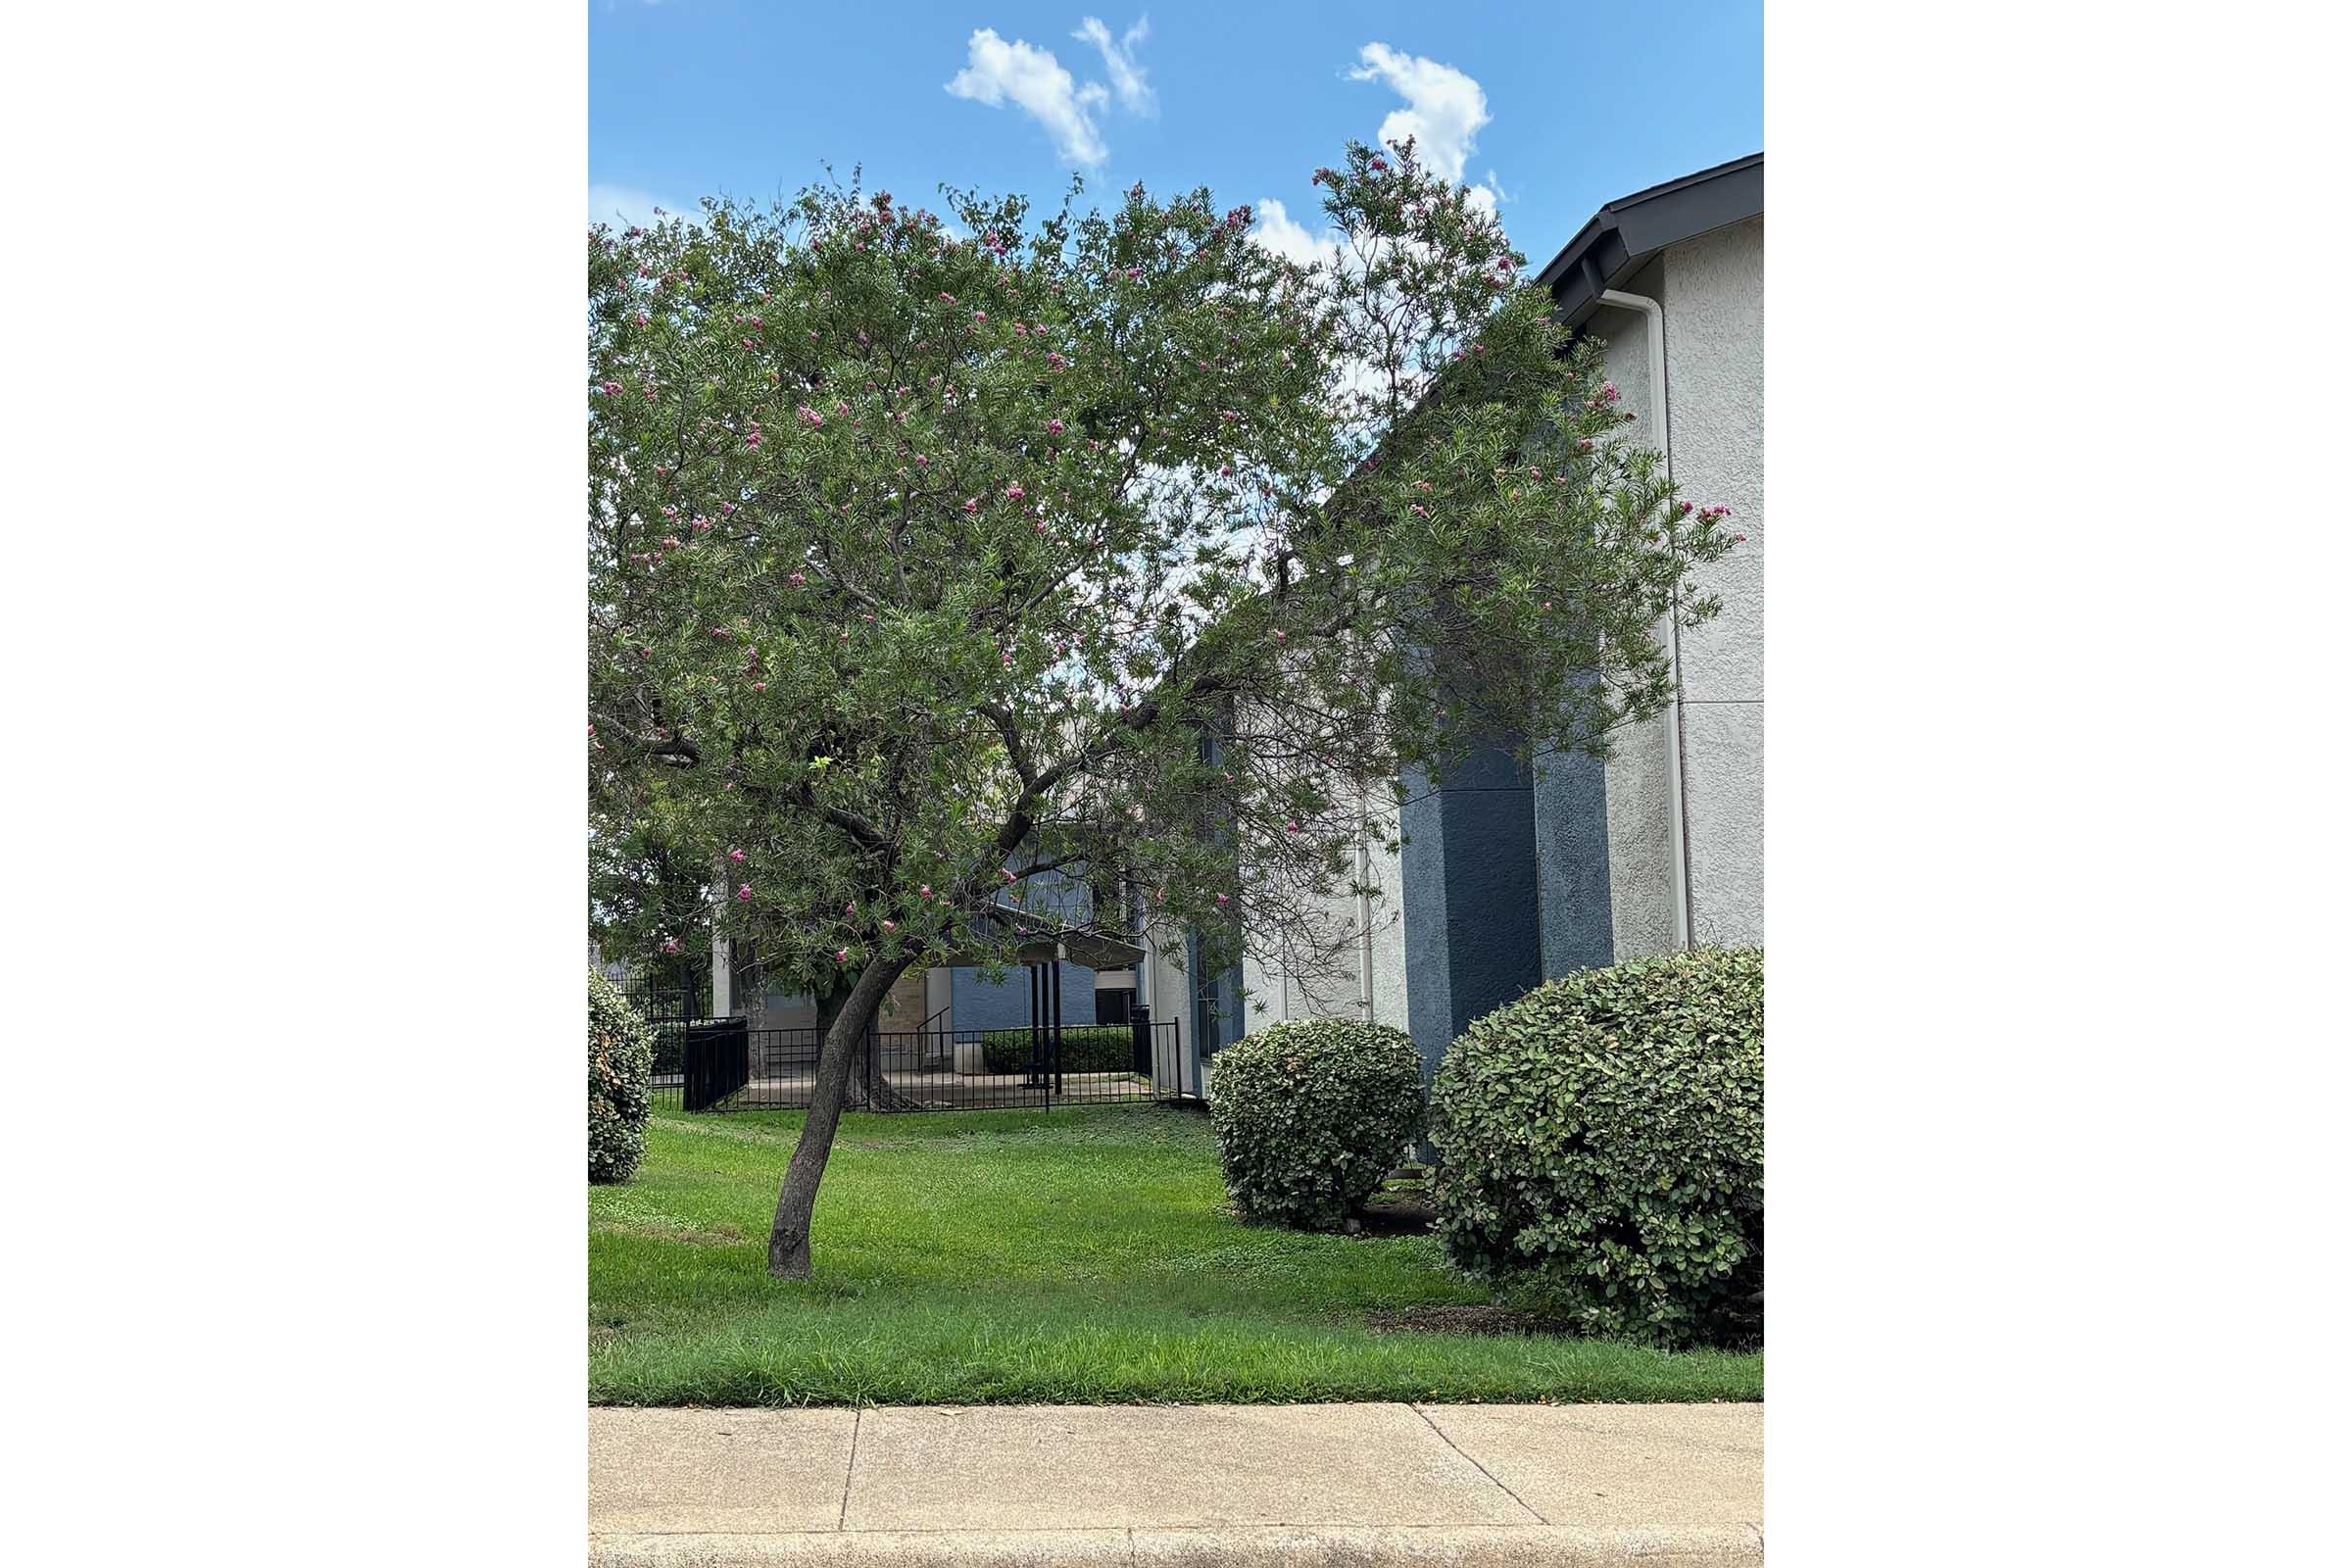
<point x="1029" y="1257"/>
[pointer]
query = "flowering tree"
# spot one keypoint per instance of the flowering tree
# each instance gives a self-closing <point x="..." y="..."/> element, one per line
<point x="1112" y="546"/>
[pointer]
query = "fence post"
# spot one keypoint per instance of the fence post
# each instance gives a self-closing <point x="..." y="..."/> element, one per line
<point x="1057" y="989"/>
<point x="1037" y="1038"/>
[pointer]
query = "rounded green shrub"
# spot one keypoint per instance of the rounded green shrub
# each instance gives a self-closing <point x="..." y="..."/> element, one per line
<point x="621" y="1082"/>
<point x="1600" y="1142"/>
<point x="1310" y="1117"/>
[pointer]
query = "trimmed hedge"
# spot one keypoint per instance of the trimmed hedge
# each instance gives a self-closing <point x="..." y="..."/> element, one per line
<point x="1311" y="1117"/>
<point x="1091" y="1048"/>
<point x="621" y="1082"/>
<point x="1600" y="1142"/>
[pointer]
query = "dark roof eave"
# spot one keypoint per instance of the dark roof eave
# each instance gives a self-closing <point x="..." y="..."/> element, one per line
<point x="1622" y="237"/>
<point x="1040" y="942"/>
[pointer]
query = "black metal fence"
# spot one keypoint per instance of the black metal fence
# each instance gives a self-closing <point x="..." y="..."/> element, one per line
<point x="663" y="1000"/>
<point x="723" y="1064"/>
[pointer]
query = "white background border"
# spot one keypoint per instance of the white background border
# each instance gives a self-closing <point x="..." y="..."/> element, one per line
<point x="295" y="660"/>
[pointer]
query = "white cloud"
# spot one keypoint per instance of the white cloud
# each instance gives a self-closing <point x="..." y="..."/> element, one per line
<point x="1278" y="232"/>
<point x="1034" y="79"/>
<point x="1118" y="58"/>
<point x="622" y="205"/>
<point x="1444" y="109"/>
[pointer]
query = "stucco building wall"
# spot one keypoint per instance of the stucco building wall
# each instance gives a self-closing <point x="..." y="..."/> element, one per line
<point x="1331" y="987"/>
<point x="1640" y="892"/>
<point x="1714" y="303"/>
<point x="1389" y="993"/>
<point x="1165" y="987"/>
<point x="1712" y="290"/>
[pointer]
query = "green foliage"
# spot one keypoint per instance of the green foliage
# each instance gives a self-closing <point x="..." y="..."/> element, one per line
<point x="1093" y="1047"/>
<point x="922" y="556"/>
<point x="1310" y="1117"/>
<point x="621" y="1082"/>
<point x="1601" y="1145"/>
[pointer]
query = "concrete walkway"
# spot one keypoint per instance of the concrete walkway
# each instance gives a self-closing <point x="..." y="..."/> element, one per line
<point x="1465" y="1485"/>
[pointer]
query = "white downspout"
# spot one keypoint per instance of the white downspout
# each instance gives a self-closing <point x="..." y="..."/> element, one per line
<point x="1677" y="846"/>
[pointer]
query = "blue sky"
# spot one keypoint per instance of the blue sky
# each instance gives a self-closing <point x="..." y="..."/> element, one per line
<point x="1557" y="108"/>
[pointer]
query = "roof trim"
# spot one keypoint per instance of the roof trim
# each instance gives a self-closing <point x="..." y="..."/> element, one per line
<point x="1038" y="940"/>
<point x="1622" y="237"/>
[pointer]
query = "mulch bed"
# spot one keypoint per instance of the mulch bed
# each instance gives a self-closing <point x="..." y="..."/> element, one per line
<point x="1463" y="1320"/>
<point x="1397" y="1214"/>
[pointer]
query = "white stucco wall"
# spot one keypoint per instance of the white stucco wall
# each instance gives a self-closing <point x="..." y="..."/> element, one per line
<point x="1641" y="894"/>
<point x="1166" y="990"/>
<point x="1264" y="995"/>
<point x="1333" y="988"/>
<point x="1386" y="874"/>
<point x="1714" y="303"/>
<point x="1712" y="292"/>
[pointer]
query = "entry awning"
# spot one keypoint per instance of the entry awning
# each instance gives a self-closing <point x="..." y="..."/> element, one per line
<point x="1037" y="940"/>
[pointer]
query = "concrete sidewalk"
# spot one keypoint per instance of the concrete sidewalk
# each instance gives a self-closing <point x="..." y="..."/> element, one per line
<point x="1292" y="1485"/>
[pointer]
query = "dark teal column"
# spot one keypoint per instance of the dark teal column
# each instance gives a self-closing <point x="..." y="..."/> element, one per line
<point x="1571" y="863"/>
<point x="1473" y="924"/>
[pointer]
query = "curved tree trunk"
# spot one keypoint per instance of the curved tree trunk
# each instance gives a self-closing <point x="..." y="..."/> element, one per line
<point x="842" y="1056"/>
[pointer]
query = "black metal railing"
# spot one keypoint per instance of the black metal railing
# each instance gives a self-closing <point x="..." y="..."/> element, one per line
<point x="721" y="1064"/>
<point x="664" y="996"/>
